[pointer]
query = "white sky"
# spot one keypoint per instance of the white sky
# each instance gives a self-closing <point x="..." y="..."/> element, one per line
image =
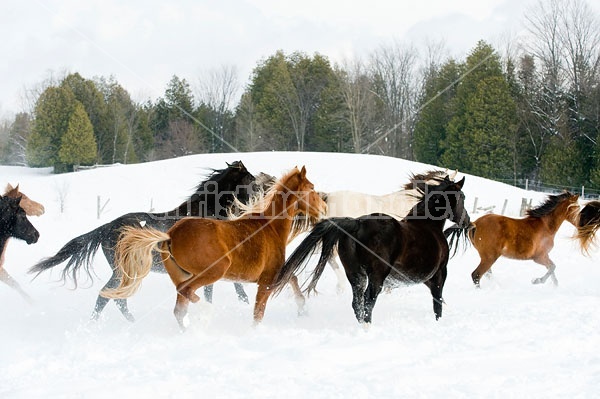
<point x="144" y="43"/>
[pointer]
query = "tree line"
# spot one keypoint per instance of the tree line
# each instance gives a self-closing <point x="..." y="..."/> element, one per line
<point x="521" y="112"/>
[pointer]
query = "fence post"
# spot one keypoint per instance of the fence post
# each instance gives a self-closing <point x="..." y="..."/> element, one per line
<point x="526" y="184"/>
<point x="475" y="205"/>
<point x="99" y="208"/>
<point x="582" y="192"/>
<point x="523" y="206"/>
<point x="504" y="206"/>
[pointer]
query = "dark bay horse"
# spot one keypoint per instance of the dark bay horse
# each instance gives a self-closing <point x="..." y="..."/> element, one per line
<point x="14" y="223"/>
<point x="528" y="238"/>
<point x="212" y="198"/>
<point x="31" y="208"/>
<point x="199" y="251"/>
<point x="378" y="248"/>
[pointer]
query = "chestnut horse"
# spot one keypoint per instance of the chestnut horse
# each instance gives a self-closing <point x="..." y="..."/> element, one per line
<point x="31" y="208"/>
<point x="529" y="238"/>
<point x="198" y="251"/>
<point x="378" y="249"/>
<point x="212" y="198"/>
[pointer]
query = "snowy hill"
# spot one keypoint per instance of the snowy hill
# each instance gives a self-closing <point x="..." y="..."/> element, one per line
<point x="509" y="338"/>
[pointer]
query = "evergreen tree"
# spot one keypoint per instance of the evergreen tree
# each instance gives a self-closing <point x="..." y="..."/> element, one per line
<point x="78" y="145"/>
<point x="53" y="111"/>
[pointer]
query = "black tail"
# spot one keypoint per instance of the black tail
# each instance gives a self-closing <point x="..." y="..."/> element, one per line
<point x="80" y="251"/>
<point x="328" y="233"/>
<point x="455" y="234"/>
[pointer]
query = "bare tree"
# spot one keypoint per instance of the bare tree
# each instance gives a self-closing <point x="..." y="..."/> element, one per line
<point x="218" y="89"/>
<point x="359" y="100"/>
<point x="393" y="69"/>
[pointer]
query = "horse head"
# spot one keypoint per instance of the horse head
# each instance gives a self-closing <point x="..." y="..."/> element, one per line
<point x="309" y="202"/>
<point x="31" y="207"/>
<point x="14" y="222"/>
<point x="447" y="201"/>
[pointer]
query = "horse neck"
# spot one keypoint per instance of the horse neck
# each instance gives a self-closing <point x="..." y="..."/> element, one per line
<point x="279" y="216"/>
<point x="555" y="218"/>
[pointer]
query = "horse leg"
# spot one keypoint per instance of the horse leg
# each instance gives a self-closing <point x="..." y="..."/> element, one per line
<point x="341" y="278"/>
<point x="241" y="294"/>
<point x="376" y="279"/>
<point x="300" y="301"/>
<point x="358" y="282"/>
<point x="545" y="261"/>
<point x="484" y="265"/>
<point x="262" y="295"/>
<point x="11" y="282"/>
<point x="180" y="311"/>
<point x="436" y="286"/>
<point x="208" y="292"/>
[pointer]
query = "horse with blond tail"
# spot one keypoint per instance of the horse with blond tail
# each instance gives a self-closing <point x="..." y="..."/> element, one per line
<point x="198" y="251"/>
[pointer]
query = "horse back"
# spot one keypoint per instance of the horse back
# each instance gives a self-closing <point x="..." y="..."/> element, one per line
<point x="496" y="235"/>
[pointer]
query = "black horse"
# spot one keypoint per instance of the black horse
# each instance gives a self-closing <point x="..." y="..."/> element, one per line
<point x="14" y="223"/>
<point x="378" y="248"/>
<point x="212" y="198"/>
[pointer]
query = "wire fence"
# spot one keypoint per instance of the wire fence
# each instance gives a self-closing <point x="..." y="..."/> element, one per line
<point x="587" y="193"/>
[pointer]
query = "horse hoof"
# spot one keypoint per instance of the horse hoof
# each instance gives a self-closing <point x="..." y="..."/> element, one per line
<point x="536" y="281"/>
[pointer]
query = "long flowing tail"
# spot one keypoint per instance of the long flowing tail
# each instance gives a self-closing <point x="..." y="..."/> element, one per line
<point x="80" y="251"/>
<point x="133" y="259"/>
<point x="327" y="233"/>
<point x="587" y="224"/>
<point x="455" y="234"/>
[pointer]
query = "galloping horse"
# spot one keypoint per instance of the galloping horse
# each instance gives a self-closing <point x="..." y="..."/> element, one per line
<point x="198" y="251"/>
<point x="377" y="247"/>
<point x="31" y="208"/>
<point x="398" y="204"/>
<point x="14" y="223"/>
<point x="529" y="238"/>
<point x="212" y="198"/>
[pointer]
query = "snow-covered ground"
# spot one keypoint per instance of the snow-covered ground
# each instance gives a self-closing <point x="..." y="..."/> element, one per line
<point x="508" y="339"/>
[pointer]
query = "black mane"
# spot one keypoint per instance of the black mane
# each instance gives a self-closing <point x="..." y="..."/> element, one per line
<point x="549" y="205"/>
<point x="418" y="180"/>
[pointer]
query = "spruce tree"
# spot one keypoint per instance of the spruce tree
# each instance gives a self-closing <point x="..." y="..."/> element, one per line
<point x="78" y="145"/>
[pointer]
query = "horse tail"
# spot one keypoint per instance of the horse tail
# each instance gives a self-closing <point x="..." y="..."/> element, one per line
<point x="588" y="222"/>
<point x="327" y="233"/>
<point x="456" y="234"/>
<point x="133" y="259"/>
<point x="79" y="252"/>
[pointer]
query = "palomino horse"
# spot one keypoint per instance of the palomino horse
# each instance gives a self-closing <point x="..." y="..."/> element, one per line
<point x="397" y="204"/>
<point x="377" y="247"/>
<point x="529" y="238"/>
<point x="212" y="198"/>
<point x="587" y="224"/>
<point x="198" y="251"/>
<point x="31" y="208"/>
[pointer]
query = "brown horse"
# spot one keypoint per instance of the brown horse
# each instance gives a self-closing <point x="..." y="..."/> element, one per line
<point x="197" y="251"/>
<point x="529" y="238"/>
<point x="31" y="208"/>
<point x="587" y="225"/>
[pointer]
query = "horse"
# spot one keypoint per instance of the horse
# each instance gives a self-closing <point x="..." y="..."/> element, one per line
<point x="31" y="208"/>
<point x="588" y="223"/>
<point x="379" y="249"/>
<point x="14" y="223"/>
<point x="212" y="198"/>
<point x="528" y="238"/>
<point x="199" y="251"/>
<point x="398" y="203"/>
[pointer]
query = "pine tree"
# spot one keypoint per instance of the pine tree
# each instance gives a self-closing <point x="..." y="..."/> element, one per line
<point x="78" y="145"/>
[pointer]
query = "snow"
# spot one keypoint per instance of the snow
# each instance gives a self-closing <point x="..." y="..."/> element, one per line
<point x="508" y="339"/>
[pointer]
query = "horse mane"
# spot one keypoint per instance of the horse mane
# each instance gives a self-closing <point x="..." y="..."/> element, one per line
<point x="416" y="180"/>
<point x="259" y="203"/>
<point x="549" y="205"/>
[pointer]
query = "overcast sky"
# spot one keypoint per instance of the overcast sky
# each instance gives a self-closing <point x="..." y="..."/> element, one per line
<point x="144" y="43"/>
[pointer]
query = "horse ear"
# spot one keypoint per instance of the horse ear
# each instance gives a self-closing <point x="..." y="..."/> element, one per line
<point x="9" y="187"/>
<point x="303" y="172"/>
<point x="461" y="183"/>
